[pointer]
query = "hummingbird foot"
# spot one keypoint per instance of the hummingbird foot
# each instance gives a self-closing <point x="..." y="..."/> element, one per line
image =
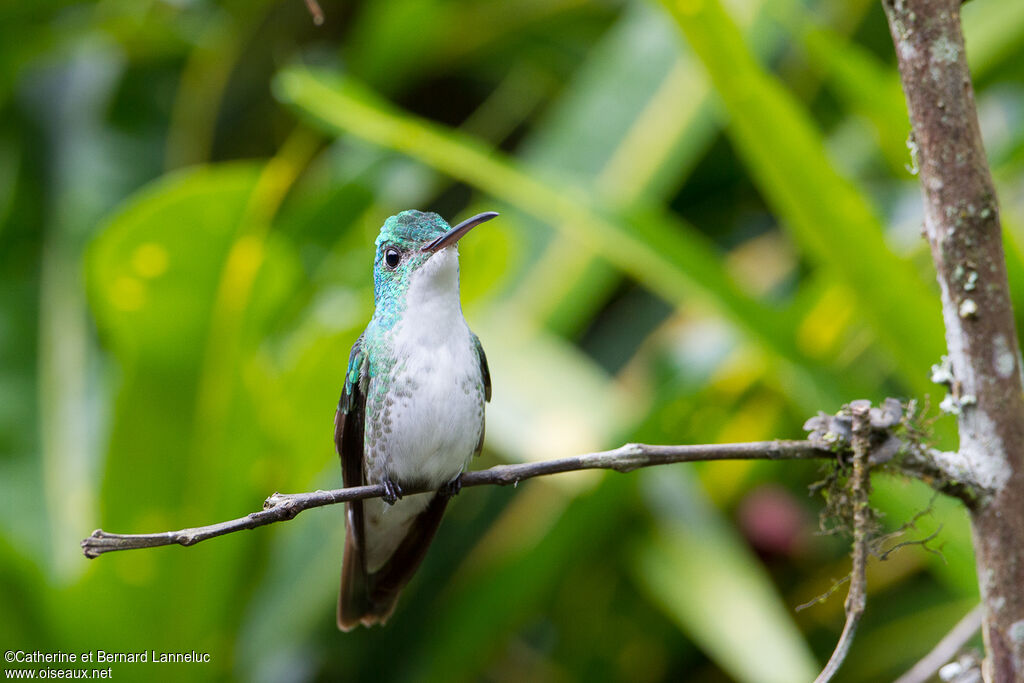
<point x="392" y="491"/>
<point x="452" y="488"/>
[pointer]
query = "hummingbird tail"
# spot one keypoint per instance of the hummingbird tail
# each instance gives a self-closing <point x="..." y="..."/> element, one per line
<point x="358" y="603"/>
<point x="369" y="599"/>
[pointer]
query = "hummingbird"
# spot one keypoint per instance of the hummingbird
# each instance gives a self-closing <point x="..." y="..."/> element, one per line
<point x="411" y="413"/>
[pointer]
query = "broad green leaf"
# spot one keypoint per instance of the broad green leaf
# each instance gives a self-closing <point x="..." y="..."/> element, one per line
<point x="163" y="246"/>
<point x="154" y="273"/>
<point x="827" y="216"/>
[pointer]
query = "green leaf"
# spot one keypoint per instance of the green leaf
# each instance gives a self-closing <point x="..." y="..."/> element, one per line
<point x="993" y="33"/>
<point x="868" y="87"/>
<point x="871" y="88"/>
<point x="10" y="163"/>
<point x="704" y="577"/>
<point x="659" y="250"/>
<point x="166" y="244"/>
<point x="154" y="273"/>
<point x="827" y="216"/>
<point x="890" y="649"/>
<point x="901" y="500"/>
<point x="296" y="596"/>
<point x="493" y="599"/>
<point x="633" y="118"/>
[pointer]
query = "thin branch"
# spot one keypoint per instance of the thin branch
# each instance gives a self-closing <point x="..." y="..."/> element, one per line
<point x="882" y="553"/>
<point x="920" y="542"/>
<point x="817" y="600"/>
<point x="284" y="506"/>
<point x="947" y="648"/>
<point x="860" y="489"/>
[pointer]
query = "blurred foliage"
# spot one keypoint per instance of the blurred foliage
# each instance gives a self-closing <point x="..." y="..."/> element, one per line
<point x="709" y="231"/>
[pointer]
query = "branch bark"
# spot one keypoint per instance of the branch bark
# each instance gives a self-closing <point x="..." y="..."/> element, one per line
<point x="860" y="490"/>
<point x="284" y="506"/>
<point x="962" y="226"/>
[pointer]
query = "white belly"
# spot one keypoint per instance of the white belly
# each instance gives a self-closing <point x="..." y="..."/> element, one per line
<point x="435" y="420"/>
<point x="424" y="416"/>
<point x="425" y="437"/>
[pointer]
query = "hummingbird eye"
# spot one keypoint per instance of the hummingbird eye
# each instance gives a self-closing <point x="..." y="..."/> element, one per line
<point x="392" y="257"/>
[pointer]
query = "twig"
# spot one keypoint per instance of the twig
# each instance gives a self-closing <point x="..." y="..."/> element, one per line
<point x="947" y="648"/>
<point x="817" y="600"/>
<point x="860" y="489"/>
<point x="883" y="553"/>
<point x="920" y="542"/>
<point x="283" y="506"/>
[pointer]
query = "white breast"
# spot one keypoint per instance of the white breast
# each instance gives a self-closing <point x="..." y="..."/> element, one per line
<point x="434" y="417"/>
<point x="437" y="390"/>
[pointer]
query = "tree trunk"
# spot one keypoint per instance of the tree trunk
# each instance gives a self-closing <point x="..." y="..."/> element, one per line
<point x="962" y="226"/>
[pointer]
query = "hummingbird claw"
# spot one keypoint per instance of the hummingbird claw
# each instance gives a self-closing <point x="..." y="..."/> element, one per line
<point x="392" y="491"/>
<point x="452" y="488"/>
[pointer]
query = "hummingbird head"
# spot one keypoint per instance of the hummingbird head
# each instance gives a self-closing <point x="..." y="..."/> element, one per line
<point x="417" y="250"/>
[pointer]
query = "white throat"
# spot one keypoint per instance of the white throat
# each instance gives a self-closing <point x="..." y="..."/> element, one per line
<point x="432" y="306"/>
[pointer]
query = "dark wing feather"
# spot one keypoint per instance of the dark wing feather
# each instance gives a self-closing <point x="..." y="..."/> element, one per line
<point x="485" y="372"/>
<point x="353" y="601"/>
<point x="370" y="598"/>
<point x="485" y="375"/>
<point x="348" y="420"/>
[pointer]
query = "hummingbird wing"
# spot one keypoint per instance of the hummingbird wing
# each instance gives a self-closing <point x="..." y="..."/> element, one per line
<point x="485" y="372"/>
<point x="369" y="598"/>
<point x="485" y="376"/>
<point x="348" y="440"/>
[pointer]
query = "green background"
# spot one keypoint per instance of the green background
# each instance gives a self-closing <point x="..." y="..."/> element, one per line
<point x="709" y="231"/>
